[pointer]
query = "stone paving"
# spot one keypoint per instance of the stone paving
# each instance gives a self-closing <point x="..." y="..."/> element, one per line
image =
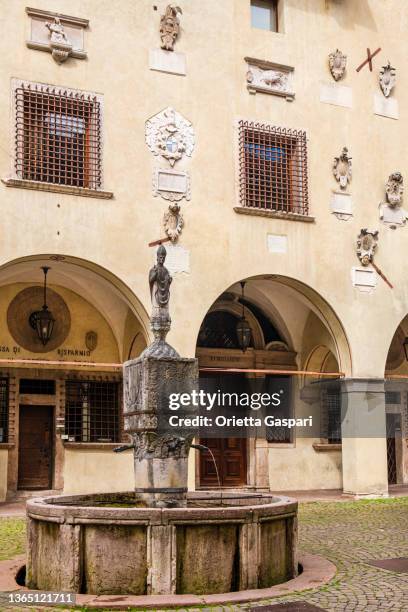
<point x="350" y="534"/>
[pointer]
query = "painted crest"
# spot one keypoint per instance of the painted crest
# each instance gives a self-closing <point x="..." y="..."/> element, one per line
<point x="91" y="340"/>
<point x="173" y="222"/>
<point x="337" y="64"/>
<point x="342" y="168"/>
<point x="387" y="79"/>
<point x="170" y="135"/>
<point x="366" y="246"/>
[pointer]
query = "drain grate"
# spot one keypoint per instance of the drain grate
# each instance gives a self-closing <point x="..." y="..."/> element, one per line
<point x="290" y="606"/>
<point x="398" y="565"/>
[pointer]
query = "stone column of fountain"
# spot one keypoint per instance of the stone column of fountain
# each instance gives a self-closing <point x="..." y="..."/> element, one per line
<point x="160" y="459"/>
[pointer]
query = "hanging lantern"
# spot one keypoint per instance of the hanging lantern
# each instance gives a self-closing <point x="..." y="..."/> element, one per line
<point x="243" y="328"/>
<point x="42" y="320"/>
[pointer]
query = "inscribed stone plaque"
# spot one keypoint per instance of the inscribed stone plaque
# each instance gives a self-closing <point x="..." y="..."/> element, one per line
<point x="167" y="61"/>
<point x="172" y="181"/>
<point x="277" y="244"/>
<point x="339" y="95"/>
<point x="386" y="107"/>
<point x="364" y="279"/>
<point x="342" y="203"/>
<point x="177" y="259"/>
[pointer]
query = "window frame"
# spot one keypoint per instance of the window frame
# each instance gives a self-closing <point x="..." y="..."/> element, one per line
<point x="274" y="8"/>
<point x="96" y="187"/>
<point x="4" y="421"/>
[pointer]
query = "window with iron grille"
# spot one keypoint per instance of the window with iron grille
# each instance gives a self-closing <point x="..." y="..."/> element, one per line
<point x="273" y="168"/>
<point x="280" y="434"/>
<point x="92" y="411"/>
<point x="331" y="415"/>
<point x="58" y="136"/>
<point x="4" y="409"/>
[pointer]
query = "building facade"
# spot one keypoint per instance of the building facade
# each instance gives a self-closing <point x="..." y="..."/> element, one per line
<point x="257" y="140"/>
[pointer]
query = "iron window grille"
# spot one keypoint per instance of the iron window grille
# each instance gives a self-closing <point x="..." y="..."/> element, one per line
<point x="92" y="411"/>
<point x="4" y="409"/>
<point x="58" y="136"/>
<point x="36" y="386"/>
<point x="331" y="415"/>
<point x="273" y="168"/>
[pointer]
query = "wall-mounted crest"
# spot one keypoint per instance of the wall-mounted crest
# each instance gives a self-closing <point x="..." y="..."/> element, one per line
<point x="391" y="211"/>
<point x="170" y="135"/>
<point x="173" y="222"/>
<point x="342" y="168"/>
<point x="387" y="79"/>
<point x="337" y="64"/>
<point x="170" y="27"/>
<point x="366" y="246"/>
<point x="60" y="44"/>
<point x="91" y="340"/>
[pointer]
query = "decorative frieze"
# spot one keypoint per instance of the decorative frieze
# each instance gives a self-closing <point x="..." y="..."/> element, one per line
<point x="337" y="64"/>
<point x="60" y="35"/>
<point x="269" y="77"/>
<point x="169" y="135"/>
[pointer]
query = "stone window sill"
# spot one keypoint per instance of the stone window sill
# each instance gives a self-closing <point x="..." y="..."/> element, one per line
<point x="67" y="189"/>
<point x="108" y="446"/>
<point x="276" y="214"/>
<point x="6" y="445"/>
<point x="326" y="448"/>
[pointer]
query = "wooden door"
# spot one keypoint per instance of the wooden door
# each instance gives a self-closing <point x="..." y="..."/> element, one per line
<point x="35" y="447"/>
<point x="230" y="457"/>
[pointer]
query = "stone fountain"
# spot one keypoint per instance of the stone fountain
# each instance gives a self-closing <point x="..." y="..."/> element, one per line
<point x="160" y="539"/>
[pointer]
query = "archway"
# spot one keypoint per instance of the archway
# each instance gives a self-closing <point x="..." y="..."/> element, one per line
<point x="294" y="334"/>
<point x="63" y="397"/>
<point x="396" y="402"/>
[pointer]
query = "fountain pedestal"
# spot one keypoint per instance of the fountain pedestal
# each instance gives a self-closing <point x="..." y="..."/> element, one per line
<point x="160" y="454"/>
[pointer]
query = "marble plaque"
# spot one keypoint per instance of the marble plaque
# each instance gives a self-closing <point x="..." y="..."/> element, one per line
<point x="339" y="95"/>
<point x="177" y="259"/>
<point x="342" y="204"/>
<point x="386" y="107"/>
<point x="364" y="279"/>
<point x="167" y="61"/>
<point x="277" y="243"/>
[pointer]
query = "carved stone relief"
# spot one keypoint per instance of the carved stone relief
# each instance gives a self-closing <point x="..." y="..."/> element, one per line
<point x="391" y="211"/>
<point x="173" y="222"/>
<point x="171" y="184"/>
<point x="337" y="64"/>
<point x="268" y="77"/>
<point x="366" y="246"/>
<point x="60" y="35"/>
<point x="387" y="79"/>
<point x="170" y="27"/>
<point x="342" y="169"/>
<point x="169" y="135"/>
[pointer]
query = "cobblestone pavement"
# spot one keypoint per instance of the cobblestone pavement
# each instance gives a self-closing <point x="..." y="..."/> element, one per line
<point x="350" y="534"/>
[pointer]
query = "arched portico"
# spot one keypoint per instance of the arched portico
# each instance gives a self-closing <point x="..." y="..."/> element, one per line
<point x="66" y="393"/>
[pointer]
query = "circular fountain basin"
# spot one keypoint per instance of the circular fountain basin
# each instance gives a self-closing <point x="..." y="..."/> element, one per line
<point x="111" y="544"/>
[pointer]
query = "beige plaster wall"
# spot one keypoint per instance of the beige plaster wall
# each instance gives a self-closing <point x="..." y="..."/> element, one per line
<point x="93" y="471"/>
<point x="3" y="473"/>
<point x="224" y="246"/>
<point x="302" y="468"/>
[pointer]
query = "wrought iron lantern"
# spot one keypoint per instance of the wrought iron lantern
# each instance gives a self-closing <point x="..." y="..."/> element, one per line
<point x="243" y="328"/>
<point x="42" y="320"/>
<point x="405" y="345"/>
